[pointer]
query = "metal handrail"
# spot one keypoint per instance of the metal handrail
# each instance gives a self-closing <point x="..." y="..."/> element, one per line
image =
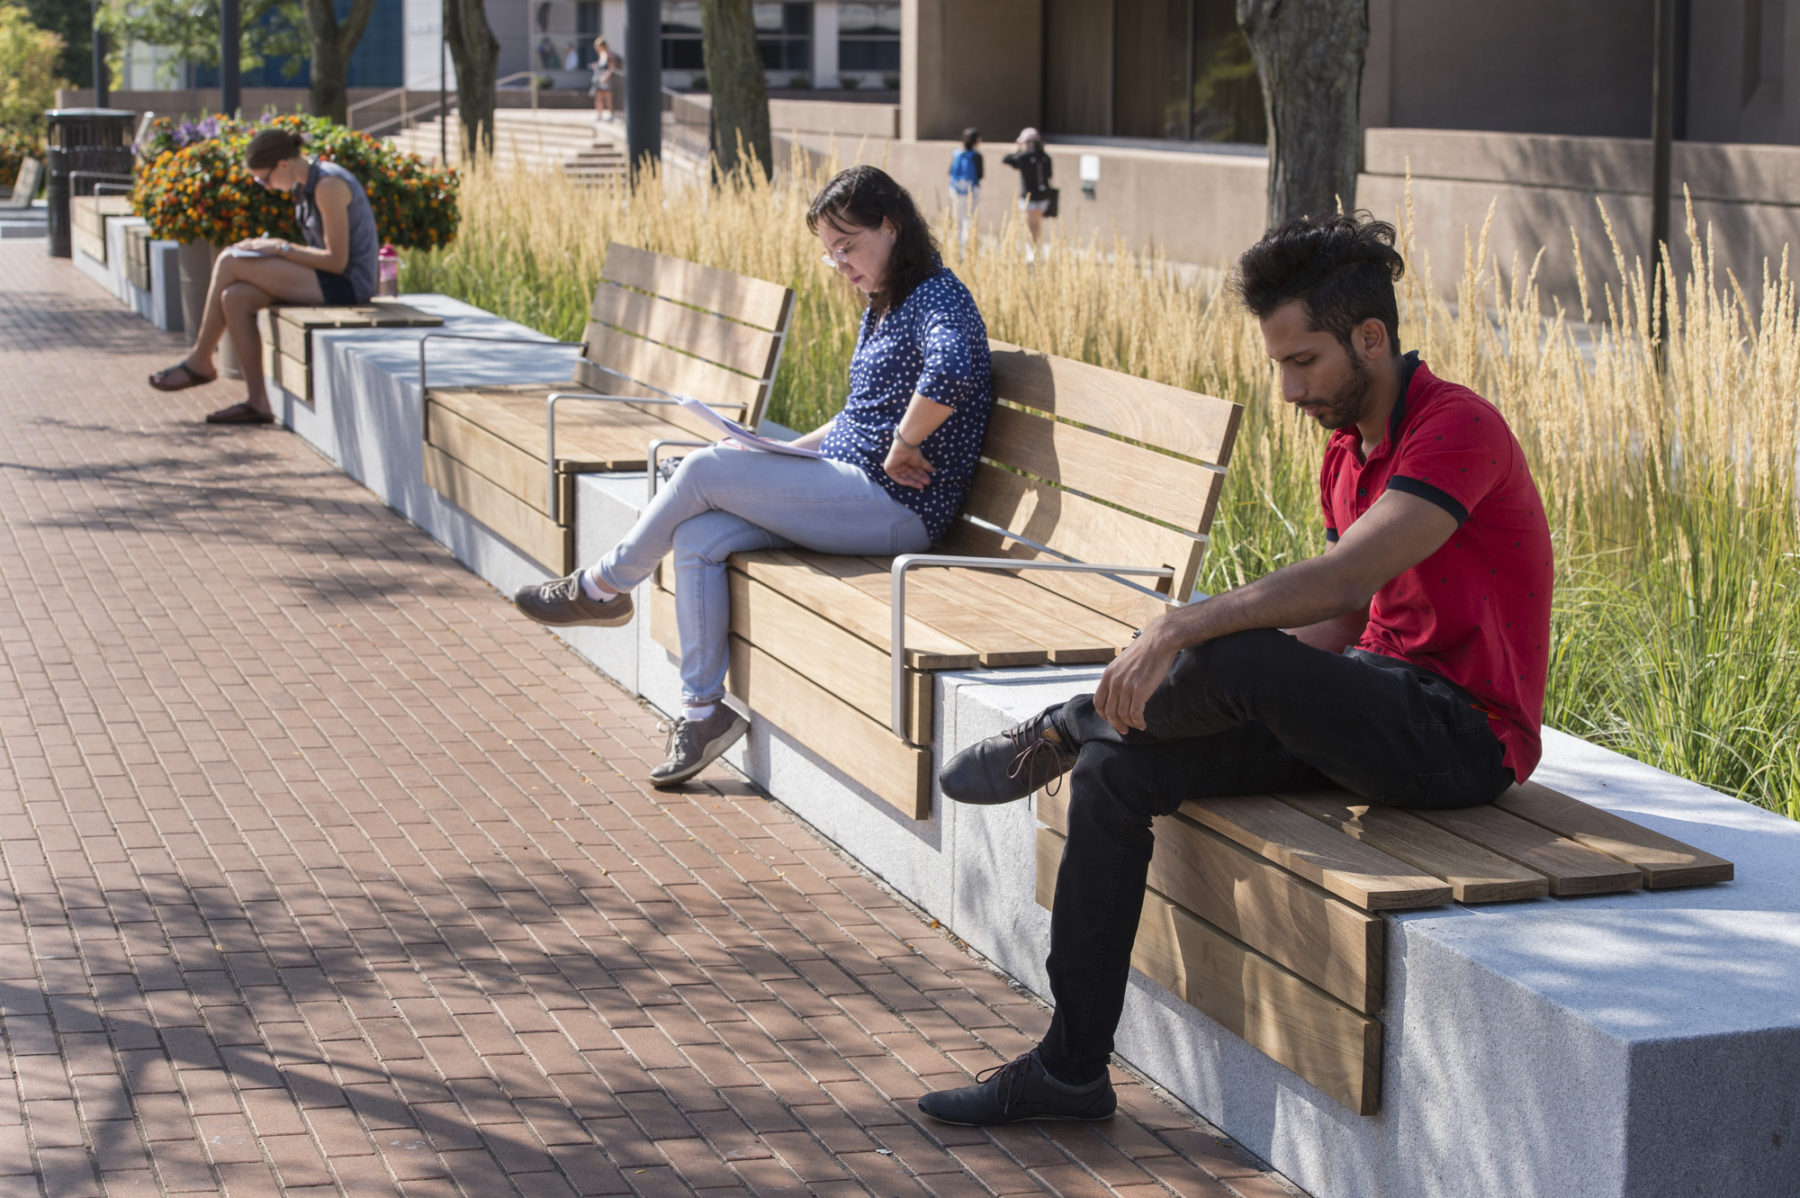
<point x="912" y="561"/>
<point x="405" y="119"/>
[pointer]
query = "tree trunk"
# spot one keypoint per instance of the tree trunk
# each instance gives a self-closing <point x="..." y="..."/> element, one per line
<point x="332" y="45"/>
<point x="1310" y="56"/>
<point x="477" y="55"/>
<point x="734" y="75"/>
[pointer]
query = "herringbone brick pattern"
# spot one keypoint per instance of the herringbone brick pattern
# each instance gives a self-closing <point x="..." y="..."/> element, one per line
<point x="324" y="872"/>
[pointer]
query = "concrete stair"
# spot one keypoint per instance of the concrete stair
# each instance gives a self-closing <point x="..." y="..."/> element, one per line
<point x="571" y="141"/>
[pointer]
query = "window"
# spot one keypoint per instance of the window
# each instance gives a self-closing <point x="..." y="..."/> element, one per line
<point x="869" y="36"/>
<point x="1214" y="91"/>
<point x="681" y="49"/>
<point x="784" y="36"/>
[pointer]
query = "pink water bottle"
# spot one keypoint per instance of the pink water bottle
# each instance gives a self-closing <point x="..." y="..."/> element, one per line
<point x="388" y="271"/>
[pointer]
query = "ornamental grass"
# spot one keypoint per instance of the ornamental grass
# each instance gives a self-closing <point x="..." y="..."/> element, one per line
<point x="1670" y="493"/>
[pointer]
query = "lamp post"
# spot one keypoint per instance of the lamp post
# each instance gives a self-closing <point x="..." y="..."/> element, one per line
<point x="231" y="39"/>
<point x="443" y="89"/>
<point x="643" y="82"/>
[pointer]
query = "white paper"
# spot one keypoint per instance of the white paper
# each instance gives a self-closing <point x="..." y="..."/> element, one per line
<point x="244" y="251"/>
<point x="744" y="436"/>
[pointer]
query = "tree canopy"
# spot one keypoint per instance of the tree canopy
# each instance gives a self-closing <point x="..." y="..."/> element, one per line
<point x="28" y="60"/>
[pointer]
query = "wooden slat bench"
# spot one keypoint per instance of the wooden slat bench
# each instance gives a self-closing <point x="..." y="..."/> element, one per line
<point x="287" y="335"/>
<point x="25" y="185"/>
<point x="659" y="328"/>
<point x="1089" y="478"/>
<point x="87" y="221"/>
<point x="1265" y="912"/>
<point x="137" y="255"/>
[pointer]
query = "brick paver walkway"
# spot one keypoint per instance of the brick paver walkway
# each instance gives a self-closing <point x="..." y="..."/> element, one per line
<point x="324" y="872"/>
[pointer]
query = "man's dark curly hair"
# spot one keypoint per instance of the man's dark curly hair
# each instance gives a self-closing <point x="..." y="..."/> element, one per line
<point x="1342" y="267"/>
<point x="861" y="198"/>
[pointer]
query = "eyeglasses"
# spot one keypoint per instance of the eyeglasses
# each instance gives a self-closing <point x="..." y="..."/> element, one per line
<point x="264" y="177"/>
<point x="841" y="255"/>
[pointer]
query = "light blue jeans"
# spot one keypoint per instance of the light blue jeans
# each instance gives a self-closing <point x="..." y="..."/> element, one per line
<point x="726" y="501"/>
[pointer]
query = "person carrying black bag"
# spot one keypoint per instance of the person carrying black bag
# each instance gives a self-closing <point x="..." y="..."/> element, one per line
<point x="1036" y="197"/>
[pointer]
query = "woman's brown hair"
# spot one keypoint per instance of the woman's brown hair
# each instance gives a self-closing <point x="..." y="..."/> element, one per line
<point x="271" y="147"/>
<point x="861" y="198"/>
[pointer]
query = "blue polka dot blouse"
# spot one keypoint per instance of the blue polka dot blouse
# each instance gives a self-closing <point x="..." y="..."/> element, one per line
<point x="934" y="344"/>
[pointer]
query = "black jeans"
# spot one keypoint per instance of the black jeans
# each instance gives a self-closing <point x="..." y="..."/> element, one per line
<point x="1240" y="715"/>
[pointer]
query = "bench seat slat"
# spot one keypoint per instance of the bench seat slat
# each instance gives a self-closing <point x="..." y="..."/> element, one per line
<point x="1571" y="868"/>
<point x="740" y="297"/>
<point x="1475" y="874"/>
<point x="1183" y="422"/>
<point x="861" y="614"/>
<point x="589" y="436"/>
<point x="1165" y="488"/>
<point x="1092" y="591"/>
<point x="1069" y="633"/>
<point x="967" y="598"/>
<point x="996" y="647"/>
<point x="817" y="648"/>
<point x="1664" y="861"/>
<point x="738" y="347"/>
<point x="1325" y="940"/>
<point x="550" y="545"/>
<point x="1276" y="1012"/>
<point x="1355" y="872"/>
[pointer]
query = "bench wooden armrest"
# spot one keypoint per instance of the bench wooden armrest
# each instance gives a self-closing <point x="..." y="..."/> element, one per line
<point x="913" y="561"/>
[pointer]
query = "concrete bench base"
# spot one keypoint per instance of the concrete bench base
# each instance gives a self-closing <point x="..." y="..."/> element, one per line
<point x="161" y="304"/>
<point x="1628" y="1046"/>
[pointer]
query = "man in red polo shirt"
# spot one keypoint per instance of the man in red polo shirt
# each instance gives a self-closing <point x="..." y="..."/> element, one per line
<point x="1406" y="664"/>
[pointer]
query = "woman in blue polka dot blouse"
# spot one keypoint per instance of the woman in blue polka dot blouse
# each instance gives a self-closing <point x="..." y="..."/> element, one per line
<point x="894" y="464"/>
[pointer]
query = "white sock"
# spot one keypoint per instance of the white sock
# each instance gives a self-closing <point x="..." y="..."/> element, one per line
<point x="699" y="713"/>
<point x="593" y="590"/>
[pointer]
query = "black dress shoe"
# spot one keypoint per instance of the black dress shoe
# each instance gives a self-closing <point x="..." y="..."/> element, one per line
<point x="1011" y="765"/>
<point x="1017" y="1091"/>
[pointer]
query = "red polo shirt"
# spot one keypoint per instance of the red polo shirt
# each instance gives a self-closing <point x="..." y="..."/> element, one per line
<point x="1478" y="610"/>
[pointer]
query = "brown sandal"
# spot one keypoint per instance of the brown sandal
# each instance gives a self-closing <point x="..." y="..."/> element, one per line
<point x="239" y="413"/>
<point x="180" y="377"/>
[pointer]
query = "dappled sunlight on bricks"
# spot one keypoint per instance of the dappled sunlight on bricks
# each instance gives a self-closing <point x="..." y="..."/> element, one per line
<point x="324" y="872"/>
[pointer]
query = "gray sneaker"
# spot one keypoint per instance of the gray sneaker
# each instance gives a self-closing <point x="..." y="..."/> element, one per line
<point x="561" y="601"/>
<point x="696" y="744"/>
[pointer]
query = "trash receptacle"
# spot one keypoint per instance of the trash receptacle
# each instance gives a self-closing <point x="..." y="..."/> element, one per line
<point x="81" y="139"/>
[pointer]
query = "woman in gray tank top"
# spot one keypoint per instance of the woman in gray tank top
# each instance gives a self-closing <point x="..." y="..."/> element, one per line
<point x="337" y="265"/>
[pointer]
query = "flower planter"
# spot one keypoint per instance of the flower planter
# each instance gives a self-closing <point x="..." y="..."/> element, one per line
<point x="197" y="258"/>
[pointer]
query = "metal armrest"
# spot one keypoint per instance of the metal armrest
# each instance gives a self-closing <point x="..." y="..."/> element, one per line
<point x="107" y="176"/>
<point x="656" y="448"/>
<point x="425" y="387"/>
<point x="913" y="561"/>
<point x="550" y="488"/>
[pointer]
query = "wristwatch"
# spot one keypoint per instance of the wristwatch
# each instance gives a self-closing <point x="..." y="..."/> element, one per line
<point x="903" y="442"/>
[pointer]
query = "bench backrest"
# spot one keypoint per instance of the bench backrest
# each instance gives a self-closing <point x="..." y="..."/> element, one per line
<point x="1097" y="466"/>
<point x="25" y="187"/>
<point x="675" y="326"/>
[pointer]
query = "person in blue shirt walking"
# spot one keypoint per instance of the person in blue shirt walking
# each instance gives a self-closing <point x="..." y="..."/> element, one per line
<point x="893" y="467"/>
<point x="965" y="183"/>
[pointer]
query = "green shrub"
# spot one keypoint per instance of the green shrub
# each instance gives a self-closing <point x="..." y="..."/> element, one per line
<point x="194" y="187"/>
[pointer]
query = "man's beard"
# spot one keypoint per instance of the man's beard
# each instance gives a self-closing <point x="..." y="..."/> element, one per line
<point x="1348" y="403"/>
